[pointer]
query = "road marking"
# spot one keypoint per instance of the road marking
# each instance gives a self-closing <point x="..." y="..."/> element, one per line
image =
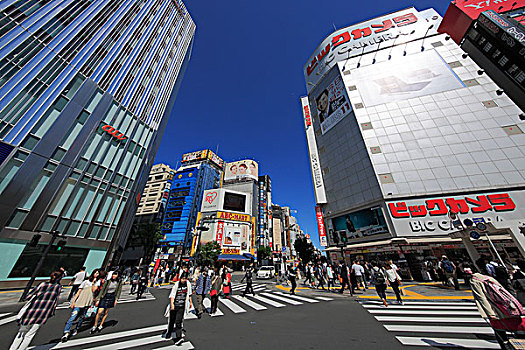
<point x="449" y="342"/>
<point x="207" y="305"/>
<point x="250" y="303"/>
<point x="324" y="298"/>
<point x="430" y="303"/>
<point x="184" y="346"/>
<point x="2" y="315"/>
<point x="431" y="319"/>
<point x="99" y="338"/>
<point x="438" y="329"/>
<point x="425" y="307"/>
<point x="190" y="315"/>
<point x="423" y="312"/>
<point x="7" y="320"/>
<point x="236" y="309"/>
<point x="298" y="297"/>
<point x="286" y="300"/>
<point x="131" y="343"/>
<point x="268" y="301"/>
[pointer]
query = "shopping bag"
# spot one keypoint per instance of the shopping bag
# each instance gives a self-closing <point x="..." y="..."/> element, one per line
<point x="213" y="293"/>
<point x="91" y="311"/>
<point x="226" y="289"/>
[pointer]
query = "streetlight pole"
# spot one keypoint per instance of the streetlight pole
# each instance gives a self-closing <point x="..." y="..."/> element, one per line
<point x="54" y="235"/>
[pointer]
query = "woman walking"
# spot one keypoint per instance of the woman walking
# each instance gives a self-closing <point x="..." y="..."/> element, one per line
<point x="216" y="288"/>
<point x="379" y="281"/>
<point x="394" y="281"/>
<point x="107" y="299"/>
<point x="80" y="304"/>
<point x="227" y="283"/>
<point x="42" y="305"/>
<point x="180" y="303"/>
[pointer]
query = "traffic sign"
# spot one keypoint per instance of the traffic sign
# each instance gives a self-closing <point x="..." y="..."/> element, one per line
<point x="474" y="234"/>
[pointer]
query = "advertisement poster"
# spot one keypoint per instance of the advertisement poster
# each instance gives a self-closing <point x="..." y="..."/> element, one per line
<point x="405" y="77"/>
<point x="194" y="156"/>
<point x="216" y="159"/>
<point x="362" y="223"/>
<point x="232" y="237"/>
<point x="331" y="103"/>
<point x="220" y="231"/>
<point x="320" y="226"/>
<point x="241" y="170"/>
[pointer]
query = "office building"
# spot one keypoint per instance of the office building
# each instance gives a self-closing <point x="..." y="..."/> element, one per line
<point x="404" y="129"/>
<point x="154" y="197"/>
<point x="86" y="88"/>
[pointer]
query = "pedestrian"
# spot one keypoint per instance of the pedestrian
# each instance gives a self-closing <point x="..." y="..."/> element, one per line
<point x="180" y="303"/>
<point x="142" y="284"/>
<point x="319" y="276"/>
<point x="359" y="272"/>
<point x="227" y="283"/>
<point x="330" y="277"/>
<point x="248" y="276"/>
<point x="394" y="280"/>
<point x="82" y="300"/>
<point x="379" y="281"/>
<point x="202" y="288"/>
<point x="518" y="281"/>
<point x="497" y="305"/>
<point x="135" y="282"/>
<point x="292" y="276"/>
<point x="449" y="269"/>
<point x="107" y="299"/>
<point x="41" y="305"/>
<point x="345" y="278"/>
<point x="76" y="281"/>
<point x="216" y="289"/>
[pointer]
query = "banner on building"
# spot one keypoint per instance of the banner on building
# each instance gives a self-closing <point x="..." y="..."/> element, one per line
<point x="198" y="155"/>
<point x="243" y="169"/>
<point x="320" y="226"/>
<point x="362" y="223"/>
<point x="220" y="231"/>
<point x="317" y="176"/>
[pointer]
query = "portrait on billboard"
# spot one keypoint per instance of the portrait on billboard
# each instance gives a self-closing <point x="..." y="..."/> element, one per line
<point x="232" y="237"/>
<point x="405" y="77"/>
<point x="241" y="170"/>
<point x="330" y="100"/>
<point x="362" y="223"/>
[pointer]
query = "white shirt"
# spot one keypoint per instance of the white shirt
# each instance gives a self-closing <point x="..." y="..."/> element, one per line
<point x="109" y="275"/>
<point x="329" y="272"/>
<point x="394" y="266"/>
<point x="358" y="269"/>
<point x="392" y="275"/>
<point x="86" y="284"/>
<point x="79" y="277"/>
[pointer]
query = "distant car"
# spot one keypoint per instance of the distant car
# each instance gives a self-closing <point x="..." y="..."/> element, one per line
<point x="266" y="272"/>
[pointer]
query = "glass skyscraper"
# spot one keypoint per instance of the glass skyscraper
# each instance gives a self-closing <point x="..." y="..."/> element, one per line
<point x="86" y="87"/>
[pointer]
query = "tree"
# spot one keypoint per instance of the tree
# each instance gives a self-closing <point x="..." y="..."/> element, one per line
<point x="209" y="253"/>
<point x="304" y="249"/>
<point x="263" y="252"/>
<point x="147" y="236"/>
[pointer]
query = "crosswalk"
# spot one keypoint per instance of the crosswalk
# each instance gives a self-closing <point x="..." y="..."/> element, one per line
<point x="7" y="317"/>
<point x="455" y="324"/>
<point x="125" y="297"/>
<point x="265" y="300"/>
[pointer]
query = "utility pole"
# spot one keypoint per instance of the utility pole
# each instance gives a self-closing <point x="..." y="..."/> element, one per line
<point x="54" y="235"/>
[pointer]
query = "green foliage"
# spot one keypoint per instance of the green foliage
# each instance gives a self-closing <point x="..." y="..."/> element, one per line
<point x="304" y="249"/>
<point x="209" y="253"/>
<point x="264" y="252"/>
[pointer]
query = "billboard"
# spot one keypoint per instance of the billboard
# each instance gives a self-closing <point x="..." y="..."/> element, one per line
<point x="216" y="159"/>
<point x="362" y="223"/>
<point x="401" y="26"/>
<point x="330" y="101"/>
<point x="226" y="200"/>
<point x="212" y="200"/>
<point x="198" y="155"/>
<point x="317" y="176"/>
<point x="475" y="8"/>
<point x="429" y="216"/>
<point x="320" y="226"/>
<point x="243" y="169"/>
<point x="402" y="78"/>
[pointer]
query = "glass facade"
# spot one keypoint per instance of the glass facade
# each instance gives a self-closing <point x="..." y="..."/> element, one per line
<point x="85" y="88"/>
<point x="185" y="199"/>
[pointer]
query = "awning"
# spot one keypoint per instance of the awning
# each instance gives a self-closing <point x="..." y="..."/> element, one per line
<point x="232" y="257"/>
<point x="249" y="256"/>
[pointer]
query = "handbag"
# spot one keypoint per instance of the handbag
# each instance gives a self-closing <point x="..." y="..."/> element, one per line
<point x="226" y="290"/>
<point x="213" y="293"/>
<point x="92" y="310"/>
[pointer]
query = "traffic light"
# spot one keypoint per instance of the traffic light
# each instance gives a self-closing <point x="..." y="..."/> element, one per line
<point x="335" y="237"/>
<point x="343" y="237"/>
<point x="61" y="244"/>
<point x="34" y="240"/>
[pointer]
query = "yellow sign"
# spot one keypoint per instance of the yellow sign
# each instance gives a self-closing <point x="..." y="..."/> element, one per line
<point x="233" y="216"/>
<point x="231" y="251"/>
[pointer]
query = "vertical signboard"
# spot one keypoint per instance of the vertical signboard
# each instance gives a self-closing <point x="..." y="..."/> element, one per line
<point x="320" y="226"/>
<point x="320" y="194"/>
<point x="220" y="231"/>
<point x="253" y="237"/>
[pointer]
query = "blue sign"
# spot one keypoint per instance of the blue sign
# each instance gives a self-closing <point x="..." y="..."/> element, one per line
<point x="474" y="234"/>
<point x="284" y="249"/>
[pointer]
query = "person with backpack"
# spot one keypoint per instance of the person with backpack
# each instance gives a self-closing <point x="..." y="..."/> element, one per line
<point x="449" y="270"/>
<point x="393" y="280"/>
<point x="497" y="305"/>
<point x="248" y="276"/>
<point x="379" y="281"/>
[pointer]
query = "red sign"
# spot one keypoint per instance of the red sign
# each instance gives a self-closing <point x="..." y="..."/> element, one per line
<point x="320" y="226"/>
<point x="220" y="231"/>
<point x="475" y="7"/>
<point x="358" y="33"/>
<point x="307" y="116"/>
<point x="499" y="202"/>
<point x="114" y="132"/>
<point x="210" y="197"/>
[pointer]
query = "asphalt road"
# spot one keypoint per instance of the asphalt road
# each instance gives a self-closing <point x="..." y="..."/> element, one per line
<point x="274" y="320"/>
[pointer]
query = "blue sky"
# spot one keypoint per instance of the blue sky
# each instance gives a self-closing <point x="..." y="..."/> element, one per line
<point x="242" y="86"/>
